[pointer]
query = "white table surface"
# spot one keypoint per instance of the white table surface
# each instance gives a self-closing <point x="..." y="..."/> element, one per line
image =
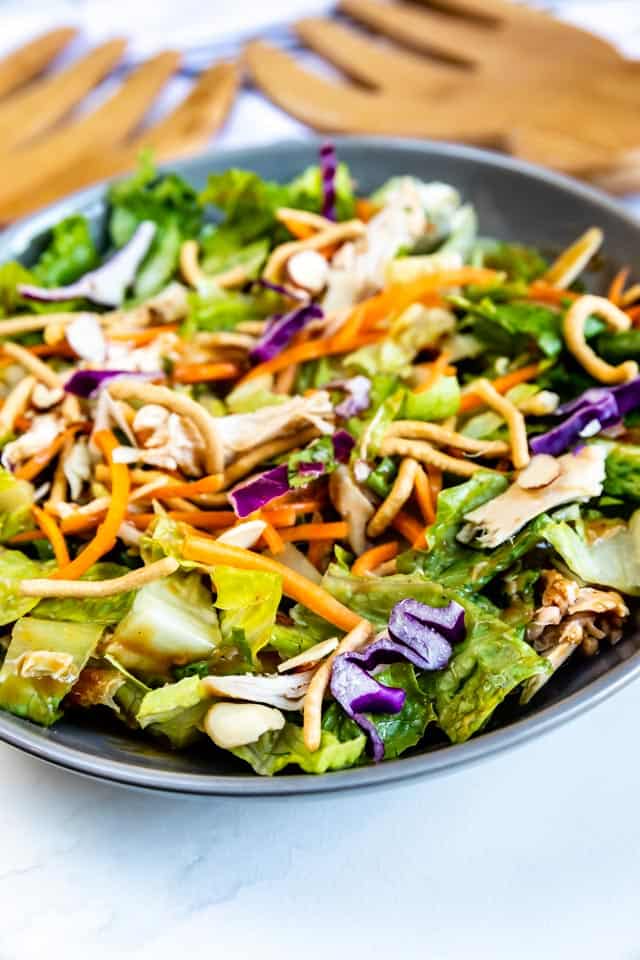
<point x="532" y="854"/>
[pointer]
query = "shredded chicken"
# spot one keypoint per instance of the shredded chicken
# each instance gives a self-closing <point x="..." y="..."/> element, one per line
<point x="352" y="505"/>
<point x="240" y="432"/>
<point x="43" y="431"/>
<point x="572" y="616"/>
<point x="580" y="478"/>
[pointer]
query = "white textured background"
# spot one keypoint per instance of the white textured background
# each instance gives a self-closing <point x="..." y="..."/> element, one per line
<point x="533" y="854"/>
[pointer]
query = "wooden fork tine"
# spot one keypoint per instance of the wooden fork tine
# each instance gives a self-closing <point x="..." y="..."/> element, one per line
<point x="31" y="59"/>
<point x="340" y="107"/>
<point x="187" y="127"/>
<point x="27" y="169"/>
<point x="421" y="29"/>
<point x="38" y="107"/>
<point x="201" y="113"/>
<point x="373" y="63"/>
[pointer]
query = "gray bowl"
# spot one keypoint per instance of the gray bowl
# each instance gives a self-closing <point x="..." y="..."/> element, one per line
<point x="514" y="201"/>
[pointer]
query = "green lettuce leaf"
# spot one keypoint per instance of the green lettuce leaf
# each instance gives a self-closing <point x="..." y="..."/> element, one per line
<point x="617" y="347"/>
<point x="398" y="731"/>
<point x="171" y="622"/>
<point x="168" y="201"/>
<point x="385" y="357"/>
<point x="175" y="711"/>
<point x="438" y="402"/>
<point x="520" y="263"/>
<point x="492" y="661"/>
<point x="510" y="328"/>
<point x="280" y="748"/>
<point x="249" y="601"/>
<point x="622" y="466"/>
<point x="253" y="395"/>
<point x="90" y="610"/>
<point x="15" y="566"/>
<point x="12" y="274"/>
<point x="610" y="561"/>
<point x="318" y="451"/>
<point x="69" y="254"/>
<point x="16" y="500"/>
<point x="219" y="254"/>
<point x="289" y="641"/>
<point x="214" y="309"/>
<point x="374" y="597"/>
<point x="44" y="660"/>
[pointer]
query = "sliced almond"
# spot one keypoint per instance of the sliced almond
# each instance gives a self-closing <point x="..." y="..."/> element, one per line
<point x="313" y="655"/>
<point x="542" y="470"/>
<point x="308" y="270"/>
<point x="44" y="397"/>
<point x="235" y="724"/>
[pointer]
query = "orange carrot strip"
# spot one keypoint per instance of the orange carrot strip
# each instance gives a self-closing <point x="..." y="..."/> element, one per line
<point x="438" y="367"/>
<point x="317" y="552"/>
<point x="617" y="286"/>
<point x="210" y="484"/>
<point x="410" y="528"/>
<point x="350" y="328"/>
<point x="316" y="531"/>
<point x="204" y="372"/>
<point x="366" y="209"/>
<point x="31" y="468"/>
<point x="67" y="525"/>
<point x="141" y="337"/>
<point x="372" y="558"/>
<point x="299" y="229"/>
<point x="60" y="349"/>
<point x="273" y="540"/>
<point x="547" y="293"/>
<point x="107" y="532"/>
<point x="279" y="517"/>
<point x="634" y="313"/>
<point x="294" y="585"/>
<point x="52" y="532"/>
<point x="424" y="496"/>
<point x="313" y="350"/>
<point x="469" y="401"/>
<point x="435" y="480"/>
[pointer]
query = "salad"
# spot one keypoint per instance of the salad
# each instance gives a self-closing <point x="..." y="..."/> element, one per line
<point x="311" y="474"/>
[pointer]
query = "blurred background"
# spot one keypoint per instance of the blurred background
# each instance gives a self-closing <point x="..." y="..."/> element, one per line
<point x="85" y="84"/>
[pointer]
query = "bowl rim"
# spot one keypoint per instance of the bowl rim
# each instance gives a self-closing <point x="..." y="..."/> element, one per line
<point x="36" y="742"/>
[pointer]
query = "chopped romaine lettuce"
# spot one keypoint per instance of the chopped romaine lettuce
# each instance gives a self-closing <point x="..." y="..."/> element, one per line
<point x="215" y="309"/>
<point x="384" y="357"/>
<point x="12" y="274"/>
<point x="612" y="560"/>
<point x="90" y="610"/>
<point x="69" y="253"/>
<point x="15" y="566"/>
<point x="491" y="662"/>
<point x="171" y="622"/>
<point x="220" y="255"/>
<point x="510" y="328"/>
<point x="622" y="466"/>
<point x="374" y="597"/>
<point x="175" y="711"/>
<point x="249" y="601"/>
<point x="438" y="402"/>
<point x="43" y="662"/>
<point x="520" y="263"/>
<point x="16" y="500"/>
<point x="277" y="749"/>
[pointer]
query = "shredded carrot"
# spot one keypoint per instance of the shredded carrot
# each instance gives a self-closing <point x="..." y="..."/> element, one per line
<point x="107" y="532"/>
<point x="350" y="328"/>
<point x="52" y="532"/>
<point x="317" y="552"/>
<point x="279" y="516"/>
<point x="273" y="540"/>
<point x="299" y="229"/>
<point x="410" y="528"/>
<point x="204" y="372"/>
<point x="547" y="293"/>
<point x="424" y="496"/>
<point x="210" y="484"/>
<point x="617" y="285"/>
<point x="294" y="585"/>
<point x="142" y="337"/>
<point x="74" y="524"/>
<point x="298" y="506"/>
<point x="316" y="531"/>
<point x="436" y="371"/>
<point x="372" y="558"/>
<point x="366" y="209"/>
<point x="313" y="350"/>
<point x="31" y="468"/>
<point x="22" y="424"/>
<point x="469" y="401"/>
<point x="435" y="480"/>
<point x="60" y="349"/>
<point x="634" y="314"/>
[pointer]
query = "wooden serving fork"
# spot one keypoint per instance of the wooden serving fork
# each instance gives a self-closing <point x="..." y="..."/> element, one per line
<point x="49" y="148"/>
<point x="488" y="72"/>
